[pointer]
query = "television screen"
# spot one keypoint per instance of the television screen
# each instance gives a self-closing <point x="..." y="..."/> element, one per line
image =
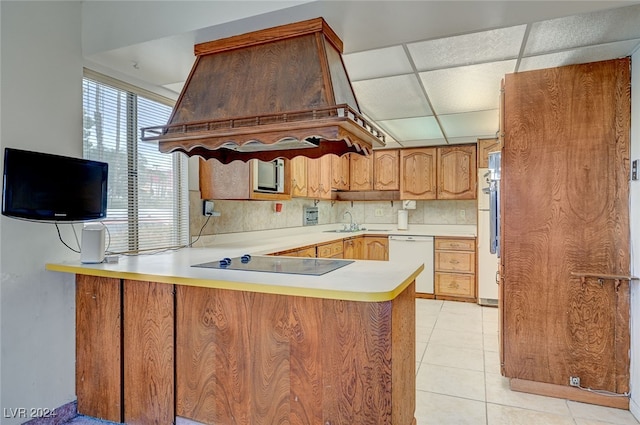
<point x="40" y="186"/>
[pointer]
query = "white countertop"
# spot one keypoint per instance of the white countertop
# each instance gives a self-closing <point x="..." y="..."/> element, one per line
<point x="359" y="281"/>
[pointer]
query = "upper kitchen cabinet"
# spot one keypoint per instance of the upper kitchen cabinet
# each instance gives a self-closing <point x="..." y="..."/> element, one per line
<point x="340" y="172"/>
<point x="418" y="173"/>
<point x="360" y="172"/>
<point x="298" y="176"/>
<point x="319" y="177"/>
<point x="386" y="169"/>
<point x="485" y="147"/>
<point x="236" y="181"/>
<point x="457" y="175"/>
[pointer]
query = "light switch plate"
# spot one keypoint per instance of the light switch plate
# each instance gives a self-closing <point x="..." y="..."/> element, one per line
<point x="634" y="170"/>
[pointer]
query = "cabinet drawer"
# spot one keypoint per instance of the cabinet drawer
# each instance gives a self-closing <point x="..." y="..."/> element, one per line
<point x="455" y="244"/>
<point x="330" y="250"/>
<point x="457" y="285"/>
<point x="454" y="261"/>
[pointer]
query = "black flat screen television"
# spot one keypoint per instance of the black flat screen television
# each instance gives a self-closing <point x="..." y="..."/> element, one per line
<point x="46" y="187"/>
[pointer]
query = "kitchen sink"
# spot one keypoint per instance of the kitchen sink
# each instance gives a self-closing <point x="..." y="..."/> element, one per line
<point x="344" y="231"/>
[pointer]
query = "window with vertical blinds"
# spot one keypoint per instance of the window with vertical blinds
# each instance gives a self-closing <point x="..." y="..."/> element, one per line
<point x="147" y="205"/>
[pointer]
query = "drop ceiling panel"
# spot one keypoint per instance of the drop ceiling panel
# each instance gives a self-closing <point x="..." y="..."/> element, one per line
<point x="470" y="124"/>
<point x="412" y="129"/>
<point x="466" y="88"/>
<point x="377" y="63"/>
<point x="583" y="30"/>
<point x="582" y="55"/>
<point x="391" y="97"/>
<point x="495" y="45"/>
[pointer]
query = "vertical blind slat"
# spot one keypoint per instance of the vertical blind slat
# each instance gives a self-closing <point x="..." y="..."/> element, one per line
<point x="147" y="206"/>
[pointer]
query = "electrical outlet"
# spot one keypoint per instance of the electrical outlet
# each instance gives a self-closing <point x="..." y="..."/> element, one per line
<point x="379" y="212"/>
<point x="207" y="208"/>
<point x="574" y="381"/>
<point x="462" y="214"/>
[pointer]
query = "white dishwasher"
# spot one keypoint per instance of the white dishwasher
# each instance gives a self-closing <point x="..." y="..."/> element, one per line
<point x="419" y="248"/>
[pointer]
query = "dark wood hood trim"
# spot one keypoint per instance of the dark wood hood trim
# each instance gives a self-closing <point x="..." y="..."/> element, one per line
<point x="281" y="32"/>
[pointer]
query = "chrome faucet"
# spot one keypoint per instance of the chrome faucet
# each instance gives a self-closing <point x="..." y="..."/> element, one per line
<point x="351" y="227"/>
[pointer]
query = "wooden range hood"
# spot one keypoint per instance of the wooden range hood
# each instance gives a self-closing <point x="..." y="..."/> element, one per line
<point x="280" y="92"/>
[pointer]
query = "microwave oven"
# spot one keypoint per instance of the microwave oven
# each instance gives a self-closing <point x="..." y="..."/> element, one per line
<point x="268" y="176"/>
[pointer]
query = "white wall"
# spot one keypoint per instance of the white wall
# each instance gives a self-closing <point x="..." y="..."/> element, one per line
<point x="41" y="104"/>
<point x="634" y="405"/>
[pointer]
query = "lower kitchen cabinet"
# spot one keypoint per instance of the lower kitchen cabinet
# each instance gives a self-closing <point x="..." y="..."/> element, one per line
<point x="376" y="248"/>
<point x="352" y="248"/>
<point x="330" y="250"/>
<point x="455" y="269"/>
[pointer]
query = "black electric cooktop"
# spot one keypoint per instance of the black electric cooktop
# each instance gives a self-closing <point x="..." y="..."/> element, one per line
<point x="277" y="264"/>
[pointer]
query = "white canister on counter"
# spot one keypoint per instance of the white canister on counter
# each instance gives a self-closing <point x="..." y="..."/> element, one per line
<point x="403" y="219"/>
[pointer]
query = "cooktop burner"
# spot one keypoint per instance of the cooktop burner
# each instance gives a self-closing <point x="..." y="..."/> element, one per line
<point x="276" y="264"/>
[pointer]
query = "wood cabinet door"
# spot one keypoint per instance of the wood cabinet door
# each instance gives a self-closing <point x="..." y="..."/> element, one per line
<point x="565" y="197"/>
<point x="418" y="173"/>
<point x="352" y="248"/>
<point x="298" y="176"/>
<point x="319" y="177"/>
<point x="485" y="147"/>
<point x="361" y="172"/>
<point x="376" y="248"/>
<point x="457" y="174"/>
<point x="340" y="172"/>
<point x="386" y="169"/>
<point x="99" y="347"/>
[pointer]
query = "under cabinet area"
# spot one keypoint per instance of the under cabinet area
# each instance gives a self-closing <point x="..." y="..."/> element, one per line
<point x="455" y="268"/>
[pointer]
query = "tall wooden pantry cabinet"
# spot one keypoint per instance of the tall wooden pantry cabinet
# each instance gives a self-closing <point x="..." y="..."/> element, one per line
<point x="564" y="295"/>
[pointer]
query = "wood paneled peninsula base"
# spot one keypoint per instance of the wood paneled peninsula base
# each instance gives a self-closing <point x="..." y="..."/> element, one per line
<point x="150" y="351"/>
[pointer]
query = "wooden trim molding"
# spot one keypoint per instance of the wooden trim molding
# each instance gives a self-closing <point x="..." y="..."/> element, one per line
<point x="569" y="393"/>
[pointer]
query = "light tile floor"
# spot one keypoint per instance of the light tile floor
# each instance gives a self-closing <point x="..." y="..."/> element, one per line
<point x="458" y="377"/>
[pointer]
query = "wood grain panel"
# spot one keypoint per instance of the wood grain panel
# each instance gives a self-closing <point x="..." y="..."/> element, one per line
<point x="213" y="355"/>
<point x="565" y="209"/>
<point x="306" y="361"/>
<point x="418" y="173"/>
<point x="361" y="172"/>
<point x="299" y="176"/>
<point x="148" y="353"/>
<point x="457" y="174"/>
<point x="284" y="75"/>
<point x="340" y="172"/>
<point x="485" y="147"/>
<point x="403" y="354"/>
<point x="246" y="358"/>
<point x="98" y="347"/>
<point x="386" y="169"/>
<point x="357" y="336"/>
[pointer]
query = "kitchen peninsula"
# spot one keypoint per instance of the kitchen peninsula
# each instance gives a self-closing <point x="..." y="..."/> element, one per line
<point x="158" y="339"/>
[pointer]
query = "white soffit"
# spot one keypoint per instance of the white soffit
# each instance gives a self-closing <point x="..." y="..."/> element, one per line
<point x="413" y="128"/>
<point x="583" y="30"/>
<point x="391" y="97"/>
<point x="582" y="55"/>
<point x="466" y="88"/>
<point x="377" y="63"/>
<point x="495" y="45"/>
<point x="470" y="124"/>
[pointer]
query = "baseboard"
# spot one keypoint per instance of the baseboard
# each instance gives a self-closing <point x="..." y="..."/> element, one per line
<point x="568" y="393"/>
<point x="634" y="408"/>
<point x="57" y="416"/>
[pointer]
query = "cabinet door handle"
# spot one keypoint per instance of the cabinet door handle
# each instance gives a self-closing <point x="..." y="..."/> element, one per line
<point x="454" y="262"/>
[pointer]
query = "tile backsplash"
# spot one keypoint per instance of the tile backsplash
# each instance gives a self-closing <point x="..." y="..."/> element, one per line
<point x="246" y="216"/>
